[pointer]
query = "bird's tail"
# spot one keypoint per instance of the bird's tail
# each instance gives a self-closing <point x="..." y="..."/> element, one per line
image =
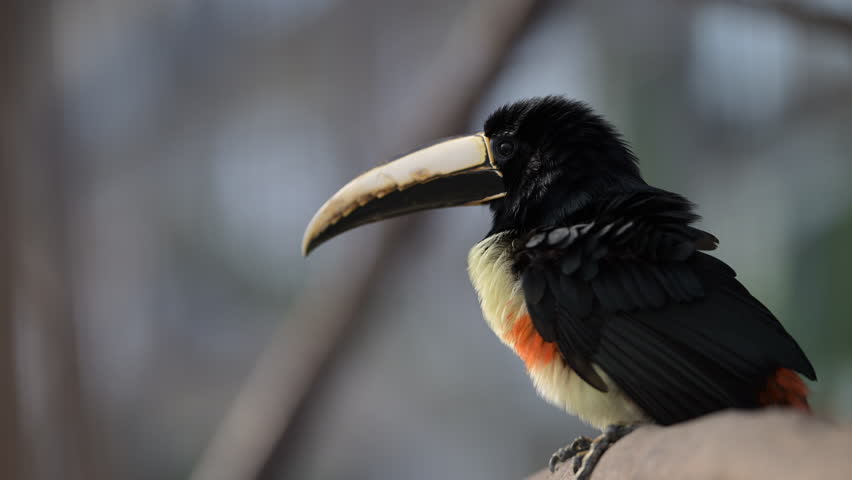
<point x="786" y="388"/>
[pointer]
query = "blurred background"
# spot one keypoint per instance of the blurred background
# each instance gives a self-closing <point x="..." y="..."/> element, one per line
<point x="160" y="160"/>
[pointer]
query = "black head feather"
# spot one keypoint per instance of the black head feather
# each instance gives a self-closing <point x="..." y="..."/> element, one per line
<point x="556" y="156"/>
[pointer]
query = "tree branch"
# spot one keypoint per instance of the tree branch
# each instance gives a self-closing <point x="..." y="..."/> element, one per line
<point x="253" y="440"/>
<point x="733" y="445"/>
<point x="798" y="12"/>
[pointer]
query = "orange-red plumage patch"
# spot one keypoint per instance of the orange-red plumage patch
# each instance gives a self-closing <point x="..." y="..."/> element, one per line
<point x="785" y="387"/>
<point x="529" y="345"/>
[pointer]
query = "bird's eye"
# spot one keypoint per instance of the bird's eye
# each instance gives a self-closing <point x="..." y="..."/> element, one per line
<point x="505" y="148"/>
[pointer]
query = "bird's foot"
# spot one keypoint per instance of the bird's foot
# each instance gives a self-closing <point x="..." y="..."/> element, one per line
<point x="586" y="453"/>
<point x="575" y="449"/>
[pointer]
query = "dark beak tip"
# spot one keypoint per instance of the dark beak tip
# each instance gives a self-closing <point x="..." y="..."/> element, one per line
<point x="308" y="245"/>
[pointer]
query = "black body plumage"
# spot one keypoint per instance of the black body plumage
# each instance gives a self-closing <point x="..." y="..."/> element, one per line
<point x="614" y="273"/>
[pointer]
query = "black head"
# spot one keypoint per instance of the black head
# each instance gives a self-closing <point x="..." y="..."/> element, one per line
<point x="539" y="163"/>
<point x="556" y="156"/>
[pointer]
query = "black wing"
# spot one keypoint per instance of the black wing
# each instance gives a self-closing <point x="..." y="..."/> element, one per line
<point x="671" y="326"/>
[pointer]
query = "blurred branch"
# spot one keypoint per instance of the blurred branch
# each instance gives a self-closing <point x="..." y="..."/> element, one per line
<point x="254" y="439"/>
<point x="819" y="103"/>
<point x="779" y="444"/>
<point x="802" y="13"/>
<point x="806" y="14"/>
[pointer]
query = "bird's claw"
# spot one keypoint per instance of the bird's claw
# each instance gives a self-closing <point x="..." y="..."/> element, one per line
<point x="586" y="452"/>
<point x="577" y="461"/>
<point x="576" y="450"/>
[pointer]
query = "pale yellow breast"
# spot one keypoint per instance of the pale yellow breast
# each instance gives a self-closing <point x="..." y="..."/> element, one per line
<point x="502" y="302"/>
<point x="490" y="269"/>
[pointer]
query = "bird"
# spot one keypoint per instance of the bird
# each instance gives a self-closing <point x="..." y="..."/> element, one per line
<point x="600" y="282"/>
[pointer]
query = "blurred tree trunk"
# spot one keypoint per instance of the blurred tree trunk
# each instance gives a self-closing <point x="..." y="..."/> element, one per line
<point x="42" y="399"/>
<point x="12" y="451"/>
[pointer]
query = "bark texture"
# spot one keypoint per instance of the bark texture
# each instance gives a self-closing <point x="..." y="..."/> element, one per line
<point x="771" y="444"/>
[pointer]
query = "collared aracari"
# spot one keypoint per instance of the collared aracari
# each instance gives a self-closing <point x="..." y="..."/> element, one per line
<point x="597" y="280"/>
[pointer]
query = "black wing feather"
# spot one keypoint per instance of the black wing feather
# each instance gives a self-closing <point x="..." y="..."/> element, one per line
<point x="629" y="290"/>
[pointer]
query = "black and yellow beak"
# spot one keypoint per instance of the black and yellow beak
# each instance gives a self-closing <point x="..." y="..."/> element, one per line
<point x="459" y="171"/>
